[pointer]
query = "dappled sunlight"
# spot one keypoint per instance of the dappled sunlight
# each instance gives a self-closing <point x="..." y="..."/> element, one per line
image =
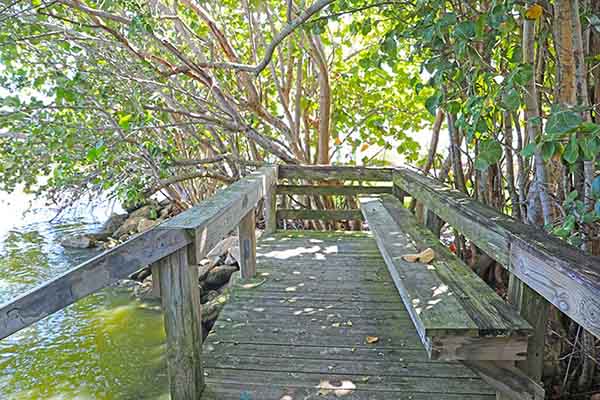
<point x="438" y="294"/>
<point x="289" y="253"/>
<point x="318" y="252"/>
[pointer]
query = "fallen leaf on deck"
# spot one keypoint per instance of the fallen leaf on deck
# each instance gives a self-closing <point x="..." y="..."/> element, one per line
<point x="339" y="388"/>
<point x="425" y="257"/>
<point x="253" y="285"/>
<point x="372" y="339"/>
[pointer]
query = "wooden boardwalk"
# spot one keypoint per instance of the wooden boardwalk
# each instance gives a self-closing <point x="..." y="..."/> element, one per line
<point x="307" y="317"/>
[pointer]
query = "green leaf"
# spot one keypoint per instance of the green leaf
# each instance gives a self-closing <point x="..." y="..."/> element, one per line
<point x="511" y="100"/>
<point x="481" y="164"/>
<point x="490" y="152"/>
<point x="124" y="121"/>
<point x="548" y="149"/>
<point x="571" y="153"/>
<point x="465" y="30"/>
<point x="528" y="150"/>
<point x="590" y="147"/>
<point x="523" y="74"/>
<point x="571" y="197"/>
<point x="432" y="103"/>
<point x="561" y="122"/>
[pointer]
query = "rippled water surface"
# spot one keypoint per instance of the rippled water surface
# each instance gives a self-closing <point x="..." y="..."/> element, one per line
<point x="106" y="346"/>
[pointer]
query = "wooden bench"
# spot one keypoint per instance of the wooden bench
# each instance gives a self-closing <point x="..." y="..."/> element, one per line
<point x="457" y="315"/>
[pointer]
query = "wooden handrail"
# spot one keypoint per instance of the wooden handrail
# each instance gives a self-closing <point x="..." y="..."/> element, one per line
<point x="170" y="249"/>
<point x="335" y="173"/>
<point x="204" y="224"/>
<point x="561" y="273"/>
<point x="89" y="277"/>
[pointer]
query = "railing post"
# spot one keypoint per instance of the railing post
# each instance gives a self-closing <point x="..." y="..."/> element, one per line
<point x="398" y="192"/>
<point x="247" y="235"/>
<point x="183" y="324"/>
<point x="535" y="309"/>
<point x="270" y="205"/>
<point x="154" y="268"/>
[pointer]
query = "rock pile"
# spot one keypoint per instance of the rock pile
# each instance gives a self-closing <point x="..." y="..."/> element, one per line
<point x="119" y="227"/>
<point x="216" y="274"/>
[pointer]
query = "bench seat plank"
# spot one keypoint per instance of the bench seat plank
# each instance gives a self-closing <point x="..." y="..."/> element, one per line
<point x="457" y="315"/>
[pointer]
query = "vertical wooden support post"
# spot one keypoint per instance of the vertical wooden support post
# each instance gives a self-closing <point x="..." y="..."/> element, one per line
<point x="183" y="325"/>
<point x="270" y="206"/>
<point x="432" y="221"/>
<point x="534" y="308"/>
<point x="399" y="193"/>
<point x="247" y="235"/>
<point x="155" y="280"/>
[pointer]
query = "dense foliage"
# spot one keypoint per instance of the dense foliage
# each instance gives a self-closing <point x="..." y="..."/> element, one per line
<point x="147" y="96"/>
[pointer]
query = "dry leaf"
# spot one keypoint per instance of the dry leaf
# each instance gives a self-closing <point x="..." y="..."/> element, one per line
<point x="337" y="141"/>
<point x="364" y="147"/>
<point x="425" y="257"/>
<point x="372" y="339"/>
<point x="534" y="12"/>
<point x="339" y="388"/>
<point x="253" y="285"/>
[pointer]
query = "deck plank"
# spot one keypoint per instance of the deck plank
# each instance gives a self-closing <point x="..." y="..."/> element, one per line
<point x="271" y="341"/>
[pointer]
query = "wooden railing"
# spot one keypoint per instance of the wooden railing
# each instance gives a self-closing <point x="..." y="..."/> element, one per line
<point x="328" y="181"/>
<point x="173" y="249"/>
<point x="543" y="268"/>
<point x="562" y="274"/>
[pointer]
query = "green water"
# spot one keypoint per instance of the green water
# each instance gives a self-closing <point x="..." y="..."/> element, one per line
<point x="106" y="346"/>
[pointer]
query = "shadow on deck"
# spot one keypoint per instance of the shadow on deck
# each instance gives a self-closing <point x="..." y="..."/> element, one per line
<point x="318" y="300"/>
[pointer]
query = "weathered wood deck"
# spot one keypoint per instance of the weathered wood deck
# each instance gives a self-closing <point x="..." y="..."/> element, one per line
<point x="319" y="296"/>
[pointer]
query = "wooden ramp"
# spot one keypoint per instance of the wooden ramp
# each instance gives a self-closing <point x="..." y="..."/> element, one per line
<point x="318" y="300"/>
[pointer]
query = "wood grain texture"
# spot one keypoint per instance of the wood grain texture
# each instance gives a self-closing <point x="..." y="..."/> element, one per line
<point x="247" y="237"/>
<point x="284" y="332"/>
<point x="335" y="173"/>
<point x="332" y="190"/>
<point x="562" y="274"/>
<point x="509" y="381"/>
<point x="535" y="309"/>
<point x="97" y="273"/>
<point x="456" y="314"/>
<point x="326" y="215"/>
<point x="183" y="325"/>
<point x="270" y="203"/>
<point x="215" y="217"/>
